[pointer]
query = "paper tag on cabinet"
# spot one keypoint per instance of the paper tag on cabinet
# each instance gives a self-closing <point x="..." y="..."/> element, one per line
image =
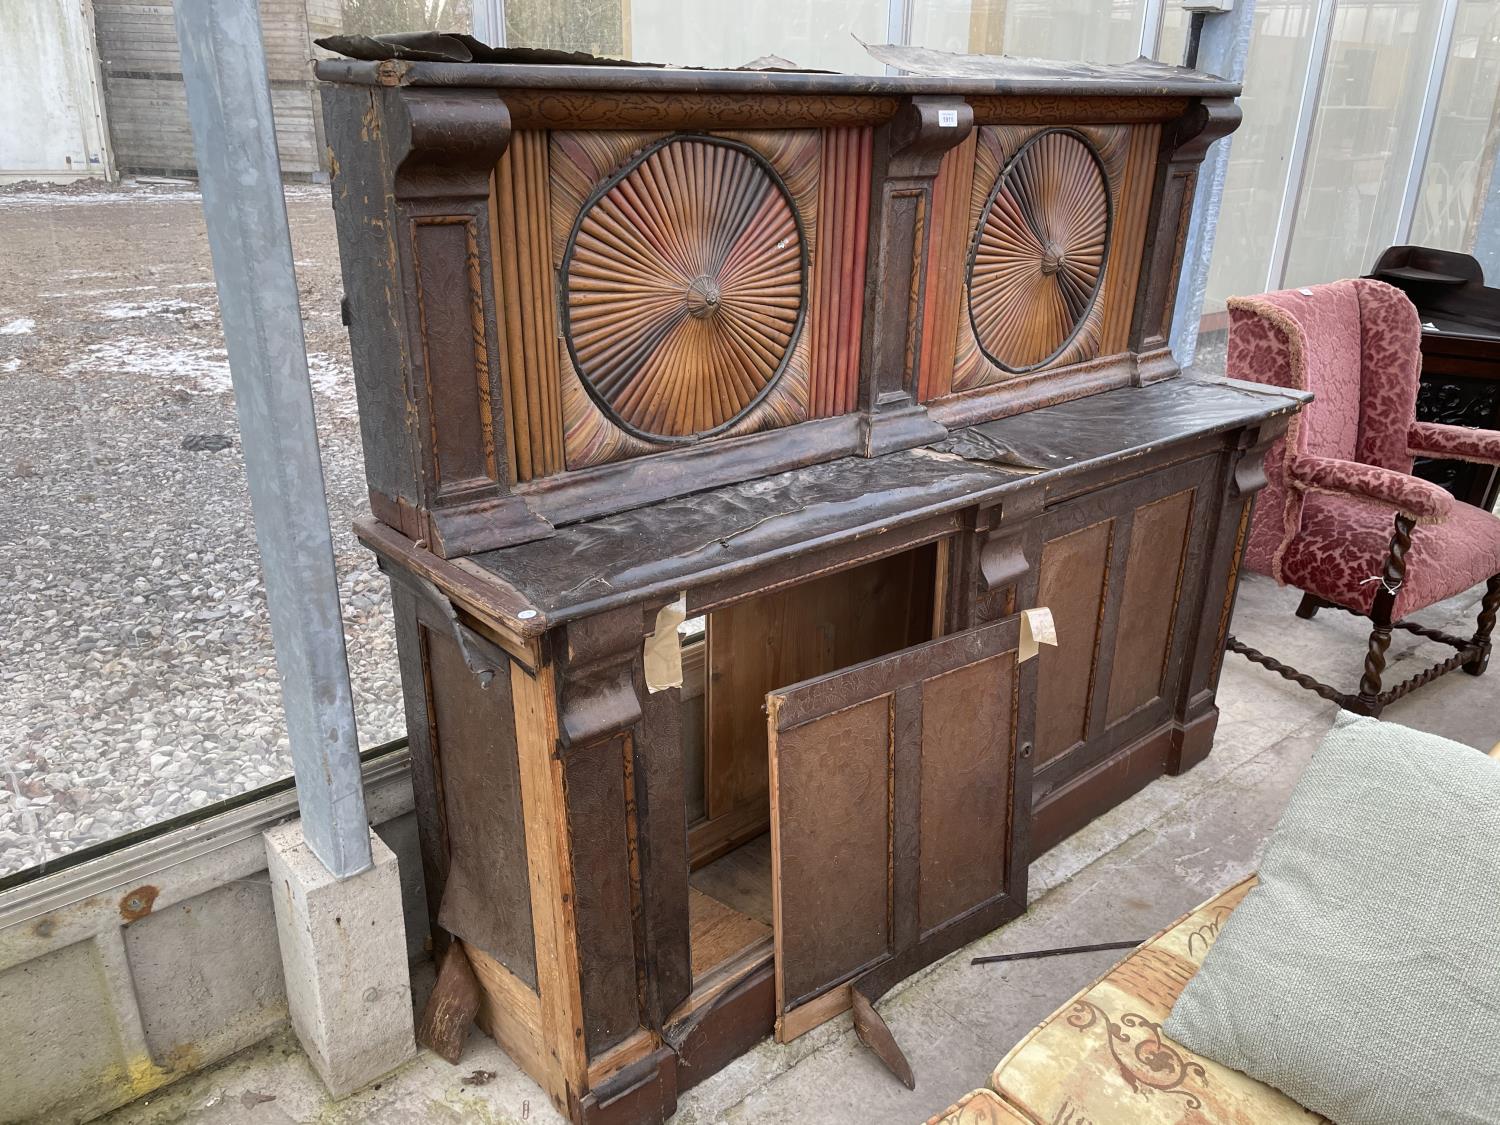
<point x="663" y="654"/>
<point x="1037" y="628"/>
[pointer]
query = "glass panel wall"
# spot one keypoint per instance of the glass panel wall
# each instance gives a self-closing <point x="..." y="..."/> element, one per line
<point x="1259" y="158"/>
<point x="811" y="33"/>
<point x="1096" y="30"/>
<point x="1368" y="113"/>
<point x="1463" y="137"/>
<point x="1171" y="43"/>
<point x="138" y="677"/>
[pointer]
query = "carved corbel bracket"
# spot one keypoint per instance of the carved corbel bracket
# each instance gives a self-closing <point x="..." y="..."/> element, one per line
<point x="1208" y="121"/>
<point x="597" y="685"/>
<point x="1248" y="475"/>
<point x="923" y="129"/>
<point x="451" y="143"/>
<point x="1009" y="549"/>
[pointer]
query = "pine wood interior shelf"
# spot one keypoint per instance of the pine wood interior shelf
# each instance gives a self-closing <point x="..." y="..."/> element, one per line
<point x="849" y="372"/>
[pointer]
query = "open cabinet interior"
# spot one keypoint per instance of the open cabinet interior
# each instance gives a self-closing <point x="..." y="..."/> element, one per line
<point x="732" y="658"/>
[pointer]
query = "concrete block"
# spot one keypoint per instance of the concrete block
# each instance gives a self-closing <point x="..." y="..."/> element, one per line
<point x="60" y="1038"/>
<point x="343" y="953"/>
<point x="207" y="974"/>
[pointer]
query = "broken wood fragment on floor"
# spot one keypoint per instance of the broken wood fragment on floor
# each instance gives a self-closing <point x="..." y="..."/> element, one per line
<point x="452" y="1006"/>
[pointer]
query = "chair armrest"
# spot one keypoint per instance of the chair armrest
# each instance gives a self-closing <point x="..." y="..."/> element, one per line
<point x="1420" y="499"/>
<point x="1462" y="443"/>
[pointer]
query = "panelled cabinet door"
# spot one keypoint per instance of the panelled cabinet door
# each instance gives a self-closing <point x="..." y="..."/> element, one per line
<point x="898" y="817"/>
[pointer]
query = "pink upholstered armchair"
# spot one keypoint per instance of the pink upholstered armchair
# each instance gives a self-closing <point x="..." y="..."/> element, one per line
<point x="1342" y="518"/>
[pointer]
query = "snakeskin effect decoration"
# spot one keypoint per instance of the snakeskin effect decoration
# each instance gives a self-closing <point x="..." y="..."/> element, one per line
<point x="685" y="287"/>
<point x="1037" y="257"/>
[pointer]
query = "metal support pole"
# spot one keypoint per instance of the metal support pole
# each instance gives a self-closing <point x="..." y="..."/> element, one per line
<point x="1222" y="49"/>
<point x="229" y="105"/>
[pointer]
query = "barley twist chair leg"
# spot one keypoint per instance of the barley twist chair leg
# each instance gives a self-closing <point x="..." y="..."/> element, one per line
<point x="1381" y="613"/>
<point x="1488" y="609"/>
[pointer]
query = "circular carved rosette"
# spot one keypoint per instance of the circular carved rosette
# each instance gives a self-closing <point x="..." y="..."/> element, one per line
<point x="685" y="282"/>
<point x="1038" y="254"/>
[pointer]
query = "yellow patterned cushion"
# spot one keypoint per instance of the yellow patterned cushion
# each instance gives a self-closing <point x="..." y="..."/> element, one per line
<point x="980" y="1107"/>
<point x="1101" y="1059"/>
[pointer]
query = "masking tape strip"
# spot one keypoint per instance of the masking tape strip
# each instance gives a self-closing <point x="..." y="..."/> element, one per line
<point x="663" y="653"/>
<point x="1037" y="628"/>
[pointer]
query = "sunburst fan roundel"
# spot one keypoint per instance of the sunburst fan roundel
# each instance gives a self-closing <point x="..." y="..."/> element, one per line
<point x="685" y="282"/>
<point x="1037" y="258"/>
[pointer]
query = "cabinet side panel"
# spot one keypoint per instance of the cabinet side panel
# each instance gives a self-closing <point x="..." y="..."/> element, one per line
<point x="598" y="835"/>
<point x="365" y="213"/>
<point x="965" y="789"/>
<point x="487" y="899"/>
<point x="1153" y="580"/>
<point x="1075" y="577"/>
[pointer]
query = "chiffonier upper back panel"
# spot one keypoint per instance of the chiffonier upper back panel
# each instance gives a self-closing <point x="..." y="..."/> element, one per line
<point x="574" y="290"/>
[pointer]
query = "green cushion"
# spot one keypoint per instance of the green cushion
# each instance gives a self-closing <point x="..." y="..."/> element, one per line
<point x="1362" y="976"/>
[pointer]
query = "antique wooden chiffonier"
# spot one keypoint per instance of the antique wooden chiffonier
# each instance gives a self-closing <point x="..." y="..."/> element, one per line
<point x="719" y="427"/>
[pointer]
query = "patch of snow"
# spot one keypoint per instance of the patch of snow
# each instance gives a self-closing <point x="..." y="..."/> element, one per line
<point x="193" y="368"/>
<point x="10" y="365"/>
<point x="161" y="306"/>
<point x="21" y="326"/>
<point x="139" y="193"/>
<point x="333" y="378"/>
<point x="129" y="289"/>
<point x="31" y="199"/>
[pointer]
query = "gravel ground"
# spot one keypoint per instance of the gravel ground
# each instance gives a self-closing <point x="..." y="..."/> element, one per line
<point x="136" y="673"/>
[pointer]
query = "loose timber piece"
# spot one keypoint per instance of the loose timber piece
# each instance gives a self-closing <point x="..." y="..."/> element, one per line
<point x="452" y="1006"/>
<point x="875" y="1034"/>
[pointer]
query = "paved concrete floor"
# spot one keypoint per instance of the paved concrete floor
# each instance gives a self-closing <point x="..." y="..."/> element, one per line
<point x="1123" y="877"/>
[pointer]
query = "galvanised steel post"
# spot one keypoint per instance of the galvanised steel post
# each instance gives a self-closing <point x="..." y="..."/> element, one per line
<point x="229" y="104"/>
<point x="1222" y="50"/>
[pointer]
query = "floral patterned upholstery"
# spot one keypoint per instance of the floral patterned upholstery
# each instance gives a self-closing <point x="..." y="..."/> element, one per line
<point x="1343" y="541"/>
<point x="1334" y="483"/>
<point x="980" y="1107"/>
<point x="1430" y="439"/>
<point x="1101" y="1059"/>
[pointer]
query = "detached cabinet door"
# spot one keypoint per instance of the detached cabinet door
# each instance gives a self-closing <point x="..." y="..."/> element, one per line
<point x="898" y="817"/>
